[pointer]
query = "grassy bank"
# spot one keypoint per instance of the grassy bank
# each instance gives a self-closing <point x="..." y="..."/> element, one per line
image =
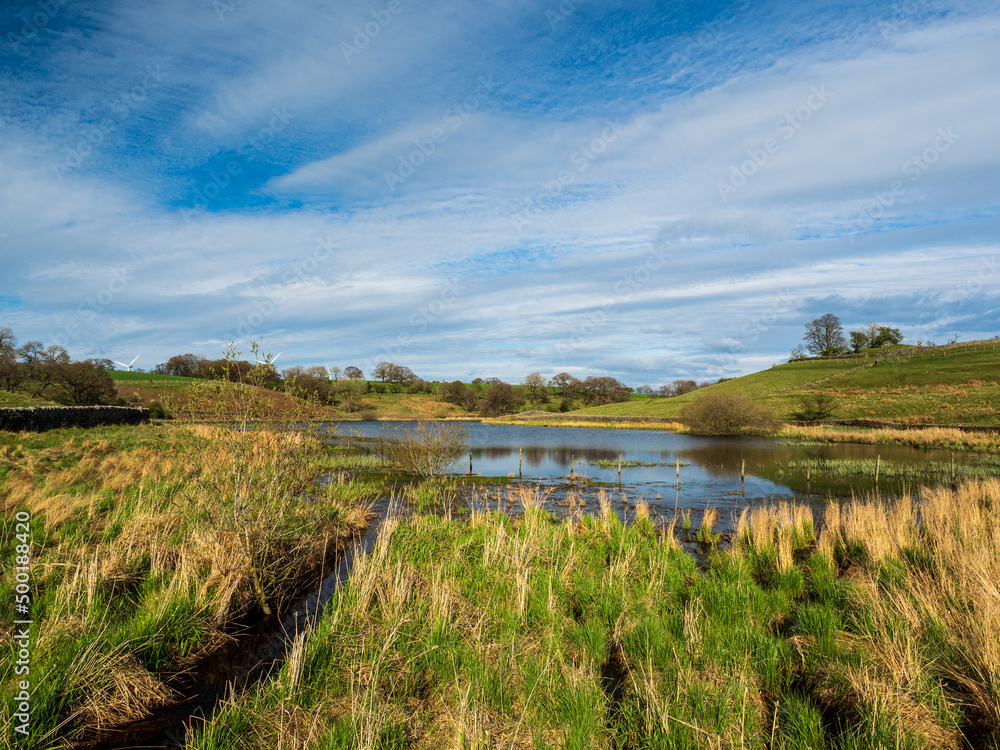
<point x="957" y="386"/>
<point x="568" y="421"/>
<point x="148" y="545"/>
<point x="501" y="632"/>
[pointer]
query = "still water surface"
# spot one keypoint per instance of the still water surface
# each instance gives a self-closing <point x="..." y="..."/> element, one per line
<point x="710" y="466"/>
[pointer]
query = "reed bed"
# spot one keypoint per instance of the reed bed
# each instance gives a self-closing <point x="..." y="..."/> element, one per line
<point x="934" y="437"/>
<point x="510" y="630"/>
<point x="148" y="544"/>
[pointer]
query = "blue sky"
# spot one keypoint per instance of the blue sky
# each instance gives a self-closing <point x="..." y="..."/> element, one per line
<point x="646" y="190"/>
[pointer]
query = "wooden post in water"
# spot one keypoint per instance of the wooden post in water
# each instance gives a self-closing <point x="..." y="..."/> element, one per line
<point x="878" y="462"/>
<point x="619" y="468"/>
<point x="953" y="468"/>
<point x="678" y="472"/>
<point x="520" y="451"/>
<point x="470" y="464"/>
<point x="572" y="463"/>
<point x="809" y="469"/>
<point x="743" y="472"/>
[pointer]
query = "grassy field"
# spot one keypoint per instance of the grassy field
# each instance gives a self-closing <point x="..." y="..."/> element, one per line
<point x="500" y="632"/>
<point x="147" y="546"/>
<point x="955" y="387"/>
<point x="8" y="399"/>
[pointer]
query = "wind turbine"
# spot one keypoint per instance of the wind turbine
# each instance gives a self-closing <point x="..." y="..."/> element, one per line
<point x="128" y="367"/>
<point x="268" y="361"/>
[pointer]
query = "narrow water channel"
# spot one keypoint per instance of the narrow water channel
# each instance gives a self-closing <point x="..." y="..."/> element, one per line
<point x="249" y="660"/>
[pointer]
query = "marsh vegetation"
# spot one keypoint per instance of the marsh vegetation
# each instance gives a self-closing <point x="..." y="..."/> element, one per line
<point x="875" y="625"/>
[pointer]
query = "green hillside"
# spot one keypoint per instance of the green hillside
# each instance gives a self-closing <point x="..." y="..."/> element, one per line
<point x="121" y="376"/>
<point x="954" y="386"/>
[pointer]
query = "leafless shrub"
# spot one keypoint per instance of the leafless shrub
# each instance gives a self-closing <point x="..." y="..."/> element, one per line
<point x="426" y="450"/>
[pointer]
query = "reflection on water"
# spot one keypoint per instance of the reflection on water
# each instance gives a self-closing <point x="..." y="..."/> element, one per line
<point x="721" y="471"/>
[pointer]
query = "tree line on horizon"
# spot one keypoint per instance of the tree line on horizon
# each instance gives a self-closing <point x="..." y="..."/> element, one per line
<point x="47" y="372"/>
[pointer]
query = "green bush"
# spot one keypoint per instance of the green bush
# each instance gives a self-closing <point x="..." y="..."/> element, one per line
<point x="815" y="407"/>
<point x="156" y="411"/>
<point x="728" y="413"/>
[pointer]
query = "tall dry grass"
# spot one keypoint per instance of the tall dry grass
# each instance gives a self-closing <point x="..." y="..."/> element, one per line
<point x="932" y="437"/>
<point x="926" y="576"/>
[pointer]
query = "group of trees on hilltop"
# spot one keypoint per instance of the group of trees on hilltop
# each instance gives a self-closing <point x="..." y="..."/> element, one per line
<point x="48" y="372"/>
<point x="824" y="337"/>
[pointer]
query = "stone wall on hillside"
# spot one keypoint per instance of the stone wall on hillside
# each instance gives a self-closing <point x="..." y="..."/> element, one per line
<point x="39" y="418"/>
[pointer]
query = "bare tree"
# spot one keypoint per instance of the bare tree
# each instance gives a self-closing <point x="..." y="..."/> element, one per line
<point x="354" y="373"/>
<point x="604" y="390"/>
<point x="335" y="373"/>
<point x="534" y="384"/>
<point x="566" y="383"/>
<point x="8" y="342"/>
<point x="825" y="336"/>
<point x="680" y="387"/>
<point x="86" y="383"/>
<point x="426" y="451"/>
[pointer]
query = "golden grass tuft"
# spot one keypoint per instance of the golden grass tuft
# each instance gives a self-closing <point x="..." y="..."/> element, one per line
<point x="111" y="688"/>
<point x="784" y="528"/>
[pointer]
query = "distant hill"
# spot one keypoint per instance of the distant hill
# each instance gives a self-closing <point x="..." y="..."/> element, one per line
<point x="945" y="385"/>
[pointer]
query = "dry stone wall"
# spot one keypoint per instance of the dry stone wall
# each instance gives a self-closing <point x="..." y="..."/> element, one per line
<point x="40" y="418"/>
